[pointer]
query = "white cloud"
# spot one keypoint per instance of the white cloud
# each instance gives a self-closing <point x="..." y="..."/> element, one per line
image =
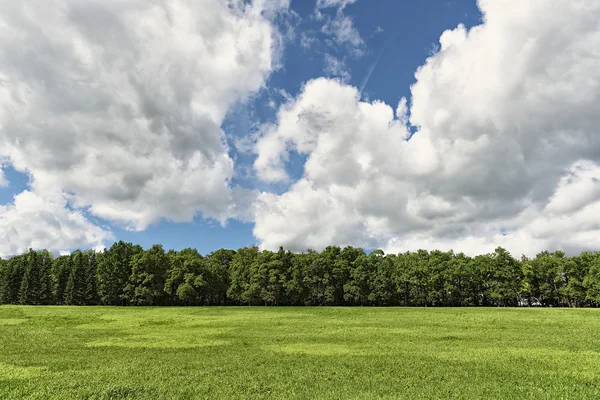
<point x="570" y="221"/>
<point x="119" y="103"/>
<point x="3" y="180"/>
<point x="333" y="3"/>
<point x="45" y="223"/>
<point x="339" y="28"/>
<point x="506" y="115"/>
<point x="336" y="68"/>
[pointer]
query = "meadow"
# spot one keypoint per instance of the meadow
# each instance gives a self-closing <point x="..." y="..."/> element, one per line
<point x="55" y="352"/>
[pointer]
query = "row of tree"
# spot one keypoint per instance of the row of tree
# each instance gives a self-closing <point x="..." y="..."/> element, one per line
<point x="126" y="274"/>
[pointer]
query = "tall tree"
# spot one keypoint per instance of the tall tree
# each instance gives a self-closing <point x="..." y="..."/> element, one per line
<point x="240" y="274"/>
<point x="577" y="268"/>
<point x="4" y="277"/>
<point x="591" y="281"/>
<point x="12" y="278"/>
<point x="29" y="292"/>
<point x="77" y="283"/>
<point x="61" y="270"/>
<point x="91" y="279"/>
<point x="148" y="273"/>
<point x="46" y="295"/>
<point x="506" y="277"/>
<point x="114" y="271"/>
<point x="381" y="284"/>
<point x="217" y="277"/>
<point x="184" y="280"/>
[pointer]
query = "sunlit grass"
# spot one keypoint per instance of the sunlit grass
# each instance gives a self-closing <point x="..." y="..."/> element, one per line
<point x="336" y="353"/>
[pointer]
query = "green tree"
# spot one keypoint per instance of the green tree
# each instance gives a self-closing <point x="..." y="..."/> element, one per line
<point x="591" y="281"/>
<point x="241" y="267"/>
<point x="12" y="278"/>
<point x="61" y="270"/>
<point x="505" y="278"/>
<point x="381" y="282"/>
<point x="186" y="271"/>
<point x="4" y="277"/>
<point x="321" y="277"/>
<point x="46" y="295"/>
<point x="460" y="281"/>
<point x="342" y="267"/>
<point x="262" y="288"/>
<point x="576" y="269"/>
<point x="217" y="277"/>
<point x="91" y="279"/>
<point x="77" y="283"/>
<point x="147" y="281"/>
<point x="437" y="267"/>
<point x="29" y="292"/>
<point x="114" y="271"/>
<point x="186" y="293"/>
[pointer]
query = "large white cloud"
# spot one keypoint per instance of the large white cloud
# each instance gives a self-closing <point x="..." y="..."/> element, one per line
<point x="569" y="221"/>
<point x="45" y="223"/>
<point x="505" y="114"/>
<point x="119" y="103"/>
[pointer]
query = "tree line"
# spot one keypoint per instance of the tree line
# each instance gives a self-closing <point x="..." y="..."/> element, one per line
<point x="126" y="274"/>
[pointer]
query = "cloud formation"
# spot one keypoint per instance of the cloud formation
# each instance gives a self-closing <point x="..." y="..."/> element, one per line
<point x="45" y="223"/>
<point x="119" y="104"/>
<point x="505" y="118"/>
<point x="333" y="3"/>
<point x="340" y="28"/>
<point x="335" y="67"/>
<point x="114" y="109"/>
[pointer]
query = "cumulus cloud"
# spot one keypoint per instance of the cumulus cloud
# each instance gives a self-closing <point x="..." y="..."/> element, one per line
<point x="506" y="134"/>
<point x="569" y="221"/>
<point x="45" y="223"/>
<point x="119" y="104"/>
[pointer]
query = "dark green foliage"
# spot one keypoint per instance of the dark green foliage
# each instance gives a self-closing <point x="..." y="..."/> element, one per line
<point x="46" y="293"/>
<point x="61" y="270"/>
<point x="91" y="280"/>
<point x="184" y="280"/>
<point x="11" y="279"/>
<point x="114" y="271"/>
<point x="75" y="292"/>
<point x="147" y="281"/>
<point x="240" y="272"/>
<point x="592" y="281"/>
<point x="127" y="274"/>
<point x="215" y="280"/>
<point x="186" y="292"/>
<point x="29" y="292"/>
<point x="4" y="283"/>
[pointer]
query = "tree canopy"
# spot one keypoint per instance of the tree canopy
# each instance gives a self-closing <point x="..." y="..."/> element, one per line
<point x="126" y="274"/>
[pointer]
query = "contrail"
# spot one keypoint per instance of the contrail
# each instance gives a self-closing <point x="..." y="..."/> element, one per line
<point x="362" y="87"/>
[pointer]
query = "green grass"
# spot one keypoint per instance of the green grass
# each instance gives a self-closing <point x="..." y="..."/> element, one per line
<point x="304" y="353"/>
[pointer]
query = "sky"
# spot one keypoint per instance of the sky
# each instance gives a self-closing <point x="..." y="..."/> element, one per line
<point x="398" y="125"/>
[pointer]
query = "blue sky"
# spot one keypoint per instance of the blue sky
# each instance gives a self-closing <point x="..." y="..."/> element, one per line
<point x="153" y="122"/>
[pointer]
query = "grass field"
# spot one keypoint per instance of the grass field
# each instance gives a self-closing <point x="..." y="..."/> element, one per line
<point x="304" y="353"/>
